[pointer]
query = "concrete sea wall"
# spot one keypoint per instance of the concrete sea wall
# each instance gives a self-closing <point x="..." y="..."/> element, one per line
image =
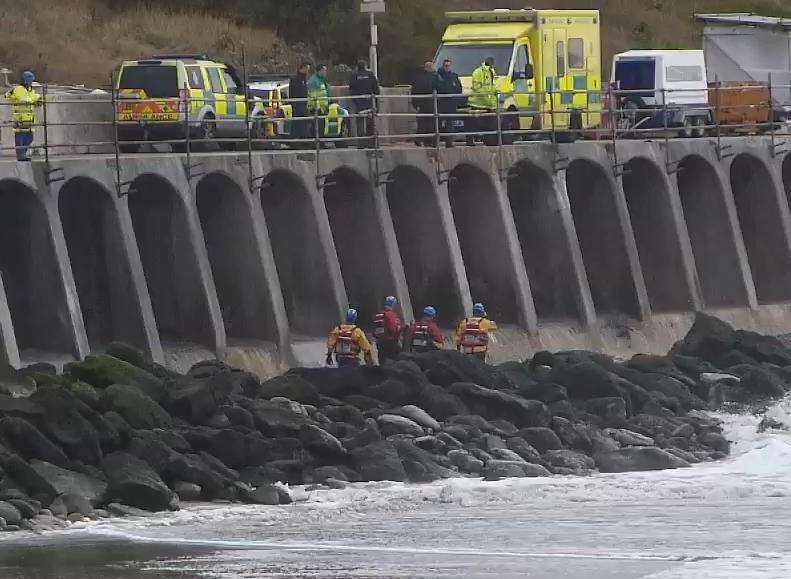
<point x="576" y="246"/>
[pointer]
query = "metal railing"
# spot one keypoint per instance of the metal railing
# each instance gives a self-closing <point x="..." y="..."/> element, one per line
<point x="95" y="123"/>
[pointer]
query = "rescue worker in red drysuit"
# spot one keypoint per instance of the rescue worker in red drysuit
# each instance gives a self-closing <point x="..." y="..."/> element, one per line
<point x="425" y="335"/>
<point x="347" y="342"/>
<point x="387" y="331"/>
<point x="472" y="334"/>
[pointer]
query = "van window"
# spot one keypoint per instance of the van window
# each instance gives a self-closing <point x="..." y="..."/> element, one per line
<point x="561" y="54"/>
<point x="635" y="74"/>
<point x="684" y="73"/>
<point x="230" y="83"/>
<point x="195" y="77"/>
<point x="576" y="53"/>
<point x="214" y="80"/>
<point x="157" y="81"/>
<point x="468" y="57"/>
<point x="522" y="60"/>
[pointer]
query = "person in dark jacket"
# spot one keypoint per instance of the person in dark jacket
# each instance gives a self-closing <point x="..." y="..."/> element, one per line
<point x="449" y="84"/>
<point x="363" y="84"/>
<point x="298" y="89"/>
<point x="425" y="84"/>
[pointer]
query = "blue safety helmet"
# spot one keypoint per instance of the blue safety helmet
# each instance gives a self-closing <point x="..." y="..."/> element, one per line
<point x="390" y="301"/>
<point x="28" y="77"/>
<point x="351" y="315"/>
<point x="429" y="312"/>
<point x="478" y="310"/>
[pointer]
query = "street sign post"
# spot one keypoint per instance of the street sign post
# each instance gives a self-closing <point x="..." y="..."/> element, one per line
<point x="373" y="7"/>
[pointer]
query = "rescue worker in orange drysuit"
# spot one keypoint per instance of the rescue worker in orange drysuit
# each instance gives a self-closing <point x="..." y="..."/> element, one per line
<point x="425" y="335"/>
<point x="347" y="342"/>
<point x="472" y="334"/>
<point x="387" y="331"/>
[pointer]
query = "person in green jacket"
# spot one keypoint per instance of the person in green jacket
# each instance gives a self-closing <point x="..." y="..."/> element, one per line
<point x="484" y="93"/>
<point x="319" y="91"/>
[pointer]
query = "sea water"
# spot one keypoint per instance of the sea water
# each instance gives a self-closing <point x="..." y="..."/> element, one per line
<point x="724" y="520"/>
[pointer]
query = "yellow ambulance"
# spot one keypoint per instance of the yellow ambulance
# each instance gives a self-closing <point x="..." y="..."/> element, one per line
<point x="547" y="61"/>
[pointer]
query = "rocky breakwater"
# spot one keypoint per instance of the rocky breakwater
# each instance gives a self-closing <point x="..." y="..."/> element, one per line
<point x="116" y="435"/>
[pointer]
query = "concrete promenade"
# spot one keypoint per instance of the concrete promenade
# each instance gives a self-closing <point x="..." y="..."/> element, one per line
<point x="579" y="246"/>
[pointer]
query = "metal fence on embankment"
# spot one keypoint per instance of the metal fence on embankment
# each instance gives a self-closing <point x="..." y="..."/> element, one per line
<point x="89" y="123"/>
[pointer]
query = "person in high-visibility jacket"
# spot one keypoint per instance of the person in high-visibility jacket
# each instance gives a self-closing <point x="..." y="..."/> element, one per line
<point x="484" y="95"/>
<point x="319" y="91"/>
<point x="472" y="334"/>
<point x="24" y="99"/>
<point x="347" y="342"/>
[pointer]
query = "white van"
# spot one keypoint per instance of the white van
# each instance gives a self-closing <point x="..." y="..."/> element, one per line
<point x="661" y="88"/>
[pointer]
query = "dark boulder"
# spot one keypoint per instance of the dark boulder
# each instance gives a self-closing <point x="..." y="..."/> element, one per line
<point x="542" y="439"/>
<point x="497" y="469"/>
<point x="498" y="404"/>
<point x="391" y="424"/>
<point x="369" y="434"/>
<point x="103" y="371"/>
<point x="9" y="513"/>
<point x="291" y="386"/>
<point x="439" y="403"/>
<point x="274" y="419"/>
<point x="198" y="396"/>
<point x="585" y="380"/>
<point x="344" y="413"/>
<point x="239" y="416"/>
<point x="420" y="465"/>
<point x="575" y="461"/>
<point x="763" y="348"/>
<point x="759" y="382"/>
<point x="379" y="461"/>
<point x="29" y="441"/>
<point x="321" y="444"/>
<point x="524" y="449"/>
<point x="546" y="392"/>
<point x="43" y="478"/>
<point x="265" y="494"/>
<point x="134" y="482"/>
<point x="638" y="459"/>
<point x="608" y="409"/>
<point x="708" y="338"/>
<point x="715" y="441"/>
<point x="22" y="407"/>
<point x="573" y="436"/>
<point x="64" y="423"/>
<point x="128" y="353"/>
<point x="138" y="409"/>
<point x="465" y="461"/>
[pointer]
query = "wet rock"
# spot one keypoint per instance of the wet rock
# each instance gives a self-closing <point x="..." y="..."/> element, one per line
<point x="708" y="338"/>
<point x="440" y="403"/>
<point x="771" y="424"/>
<point x="198" y="397"/>
<point x="626" y="437"/>
<point x="135" y="482"/>
<point x="10" y="513"/>
<point x="420" y="465"/>
<point x="30" y="442"/>
<point x="761" y="383"/>
<point x="291" y="386"/>
<point x="585" y="380"/>
<point x="323" y="473"/>
<point x="465" y="461"/>
<point x="431" y="444"/>
<point x="498" y="404"/>
<point x="638" y="459"/>
<point x="344" y="413"/>
<point x="50" y="480"/>
<point x="570" y="459"/>
<point x="488" y="442"/>
<point x="683" y="431"/>
<point x="138" y="409"/>
<point x="28" y="509"/>
<point x="524" y="449"/>
<point x="102" y="371"/>
<point x="506" y="454"/>
<point x="321" y="443"/>
<point x="379" y="461"/>
<point x="64" y="423"/>
<point x="273" y="419"/>
<point x="263" y="495"/>
<point x="480" y="454"/>
<point x="763" y="348"/>
<point x="391" y="424"/>
<point x="574" y="436"/>
<point x="450" y="441"/>
<point x="497" y="469"/>
<point x="366" y="436"/>
<point x="238" y="416"/>
<point x="122" y="510"/>
<point x="609" y="409"/>
<point x="474" y="426"/>
<point x="542" y="439"/>
<point x="715" y="441"/>
<point x="546" y="392"/>
<point x="69" y="503"/>
<point x="419" y="416"/>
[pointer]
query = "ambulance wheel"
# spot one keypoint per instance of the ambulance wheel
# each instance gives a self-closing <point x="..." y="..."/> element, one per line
<point x="698" y="127"/>
<point x="687" y="131"/>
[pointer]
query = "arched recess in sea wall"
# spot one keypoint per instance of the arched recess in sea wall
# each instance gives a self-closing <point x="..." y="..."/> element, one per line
<point x="99" y="263"/>
<point x="237" y="268"/>
<point x="423" y="244"/>
<point x="484" y="242"/>
<point x="30" y="272"/>
<point x="170" y="261"/>
<point x="658" y="245"/>
<point x="761" y="222"/>
<point x="359" y="240"/>
<point x="710" y="233"/>
<point x="543" y="239"/>
<point x="301" y="261"/>
<point x="601" y="238"/>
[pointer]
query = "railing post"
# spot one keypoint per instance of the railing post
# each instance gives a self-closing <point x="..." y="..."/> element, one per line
<point x="187" y="126"/>
<point x="375" y="122"/>
<point x="717" y="97"/>
<point x="552" y="113"/>
<point x="116" y="146"/>
<point x="770" y="117"/>
<point x="435" y="101"/>
<point x="248" y="101"/>
<point x="46" y="135"/>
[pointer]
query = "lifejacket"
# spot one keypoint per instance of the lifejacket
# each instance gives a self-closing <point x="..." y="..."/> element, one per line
<point x="421" y="338"/>
<point x="346" y="345"/>
<point x="473" y="336"/>
<point x="381" y="333"/>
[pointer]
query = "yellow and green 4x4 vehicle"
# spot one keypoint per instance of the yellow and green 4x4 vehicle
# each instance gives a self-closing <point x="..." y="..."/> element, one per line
<point x="163" y="97"/>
